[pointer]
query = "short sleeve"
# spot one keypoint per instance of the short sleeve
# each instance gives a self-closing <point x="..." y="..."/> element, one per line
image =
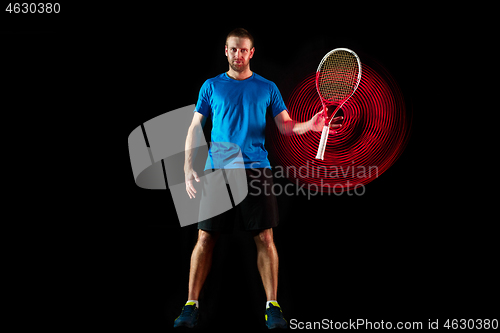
<point x="204" y="97"/>
<point x="277" y="104"/>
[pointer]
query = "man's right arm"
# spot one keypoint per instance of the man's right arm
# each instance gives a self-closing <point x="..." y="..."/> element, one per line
<point x="194" y="135"/>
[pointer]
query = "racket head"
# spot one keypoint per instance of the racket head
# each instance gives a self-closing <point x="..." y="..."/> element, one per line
<point x="337" y="77"/>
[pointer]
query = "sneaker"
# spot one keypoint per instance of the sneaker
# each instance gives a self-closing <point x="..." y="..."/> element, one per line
<point x="188" y="317"/>
<point x="274" y="316"/>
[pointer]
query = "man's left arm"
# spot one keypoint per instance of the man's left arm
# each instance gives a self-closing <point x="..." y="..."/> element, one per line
<point x="288" y="126"/>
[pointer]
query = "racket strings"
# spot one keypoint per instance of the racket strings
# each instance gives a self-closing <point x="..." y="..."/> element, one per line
<point x="338" y="76"/>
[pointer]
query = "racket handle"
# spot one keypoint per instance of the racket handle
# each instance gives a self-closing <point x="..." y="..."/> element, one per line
<point x="322" y="143"/>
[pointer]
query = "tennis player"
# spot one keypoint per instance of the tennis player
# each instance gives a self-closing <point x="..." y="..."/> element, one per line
<point x="237" y="102"/>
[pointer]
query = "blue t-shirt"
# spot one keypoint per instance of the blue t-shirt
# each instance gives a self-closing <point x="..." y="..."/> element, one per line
<point x="237" y="109"/>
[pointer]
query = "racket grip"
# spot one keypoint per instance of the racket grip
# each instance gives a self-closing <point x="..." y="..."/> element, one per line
<point x="322" y="143"/>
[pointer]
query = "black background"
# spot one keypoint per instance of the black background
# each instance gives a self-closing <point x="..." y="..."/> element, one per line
<point x="417" y="246"/>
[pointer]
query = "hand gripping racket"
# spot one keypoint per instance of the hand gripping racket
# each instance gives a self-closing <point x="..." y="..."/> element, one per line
<point x="337" y="78"/>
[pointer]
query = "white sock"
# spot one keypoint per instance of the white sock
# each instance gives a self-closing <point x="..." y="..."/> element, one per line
<point x="192" y="301"/>
<point x="275" y="303"/>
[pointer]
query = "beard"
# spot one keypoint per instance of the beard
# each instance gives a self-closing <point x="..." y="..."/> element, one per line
<point x="238" y="67"/>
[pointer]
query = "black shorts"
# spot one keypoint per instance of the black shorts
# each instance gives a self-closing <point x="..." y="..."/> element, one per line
<point x="259" y="209"/>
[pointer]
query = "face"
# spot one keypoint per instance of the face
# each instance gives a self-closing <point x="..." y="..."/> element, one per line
<point x="239" y="53"/>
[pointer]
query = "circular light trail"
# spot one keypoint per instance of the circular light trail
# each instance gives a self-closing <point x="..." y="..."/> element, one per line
<point x="373" y="135"/>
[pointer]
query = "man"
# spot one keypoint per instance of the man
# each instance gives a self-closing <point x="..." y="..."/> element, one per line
<point x="237" y="102"/>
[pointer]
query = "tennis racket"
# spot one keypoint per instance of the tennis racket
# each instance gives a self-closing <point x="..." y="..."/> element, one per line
<point x="337" y="78"/>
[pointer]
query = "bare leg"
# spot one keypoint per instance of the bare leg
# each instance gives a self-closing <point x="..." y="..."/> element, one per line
<point x="201" y="261"/>
<point x="267" y="262"/>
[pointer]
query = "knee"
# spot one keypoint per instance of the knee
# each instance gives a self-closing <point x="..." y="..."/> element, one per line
<point x="265" y="238"/>
<point x="206" y="239"/>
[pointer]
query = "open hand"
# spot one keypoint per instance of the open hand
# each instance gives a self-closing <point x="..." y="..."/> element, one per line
<point x="190" y="174"/>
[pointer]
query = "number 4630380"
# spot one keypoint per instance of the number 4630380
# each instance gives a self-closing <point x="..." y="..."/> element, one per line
<point x="32" y="8"/>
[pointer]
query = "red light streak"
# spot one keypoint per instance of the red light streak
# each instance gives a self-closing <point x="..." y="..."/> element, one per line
<point x="373" y="135"/>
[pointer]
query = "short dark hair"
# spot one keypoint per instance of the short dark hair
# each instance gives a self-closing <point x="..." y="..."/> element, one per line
<point x="241" y="33"/>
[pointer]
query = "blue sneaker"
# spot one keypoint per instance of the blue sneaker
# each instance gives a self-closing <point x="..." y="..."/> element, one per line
<point x="188" y="317"/>
<point x="274" y="316"/>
